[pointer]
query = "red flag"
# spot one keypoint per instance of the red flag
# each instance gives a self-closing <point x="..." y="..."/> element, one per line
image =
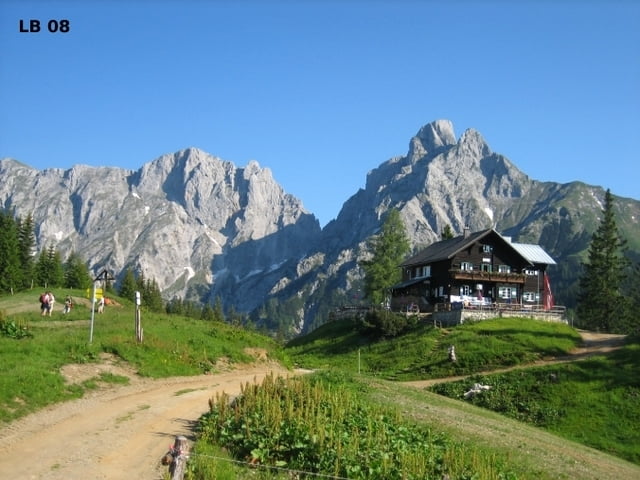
<point x="547" y="294"/>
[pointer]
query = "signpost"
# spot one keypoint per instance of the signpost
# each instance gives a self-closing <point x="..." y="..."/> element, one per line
<point x="103" y="277"/>
<point x="138" y="320"/>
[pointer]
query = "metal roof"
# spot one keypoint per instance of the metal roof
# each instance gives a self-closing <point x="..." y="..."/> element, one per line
<point x="533" y="253"/>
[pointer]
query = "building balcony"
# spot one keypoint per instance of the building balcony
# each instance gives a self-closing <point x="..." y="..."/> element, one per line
<point x="481" y="276"/>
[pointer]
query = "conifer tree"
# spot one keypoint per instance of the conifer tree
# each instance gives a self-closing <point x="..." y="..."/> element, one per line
<point x="49" y="272"/>
<point x="207" y="312"/>
<point x="10" y="271"/>
<point x="76" y="272"/>
<point x="218" y="310"/>
<point x="128" y="286"/>
<point x="175" y="306"/>
<point x="601" y="303"/>
<point x="56" y="272"/>
<point x="388" y="249"/>
<point x="447" y="233"/>
<point x="26" y="246"/>
<point x="151" y="296"/>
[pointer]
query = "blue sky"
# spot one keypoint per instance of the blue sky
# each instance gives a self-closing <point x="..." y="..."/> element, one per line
<point x="323" y="92"/>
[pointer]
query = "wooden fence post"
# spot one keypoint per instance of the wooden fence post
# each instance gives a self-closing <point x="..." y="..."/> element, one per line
<point x="179" y="454"/>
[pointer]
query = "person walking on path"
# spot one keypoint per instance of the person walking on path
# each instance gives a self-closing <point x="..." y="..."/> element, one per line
<point x="52" y="300"/>
<point x="68" y="303"/>
<point x="44" y="303"/>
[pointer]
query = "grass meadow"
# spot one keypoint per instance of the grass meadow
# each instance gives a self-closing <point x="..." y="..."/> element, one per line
<point x="423" y="352"/>
<point x="173" y="346"/>
<point x="351" y="417"/>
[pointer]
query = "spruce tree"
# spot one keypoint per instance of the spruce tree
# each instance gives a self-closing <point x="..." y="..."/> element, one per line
<point x="447" y="233"/>
<point x="207" y="312"/>
<point x="601" y="303"/>
<point x="388" y="250"/>
<point x="128" y="286"/>
<point x="49" y="272"/>
<point x="10" y="271"/>
<point x="56" y="269"/>
<point x="26" y="246"/>
<point x="218" y="310"/>
<point x="76" y="272"/>
<point x="151" y="296"/>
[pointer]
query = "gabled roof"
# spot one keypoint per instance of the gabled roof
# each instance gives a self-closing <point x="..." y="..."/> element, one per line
<point x="447" y="249"/>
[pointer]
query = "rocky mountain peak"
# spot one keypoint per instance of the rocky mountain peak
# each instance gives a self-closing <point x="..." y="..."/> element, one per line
<point x="431" y="138"/>
<point x="473" y="143"/>
<point x="205" y="228"/>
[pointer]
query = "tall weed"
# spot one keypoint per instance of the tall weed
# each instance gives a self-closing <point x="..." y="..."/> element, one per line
<point x="317" y="424"/>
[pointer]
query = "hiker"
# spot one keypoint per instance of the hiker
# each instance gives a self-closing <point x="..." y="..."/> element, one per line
<point x="68" y="304"/>
<point x="101" y="305"/>
<point x="52" y="300"/>
<point x="44" y="303"/>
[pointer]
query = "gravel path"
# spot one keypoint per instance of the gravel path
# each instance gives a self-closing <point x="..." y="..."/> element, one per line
<point x="123" y="431"/>
<point x="118" y="432"/>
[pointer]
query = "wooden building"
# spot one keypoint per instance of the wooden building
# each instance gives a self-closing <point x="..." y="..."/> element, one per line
<point x="474" y="269"/>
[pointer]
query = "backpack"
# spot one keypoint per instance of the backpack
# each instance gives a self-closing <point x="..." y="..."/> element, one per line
<point x="43" y="298"/>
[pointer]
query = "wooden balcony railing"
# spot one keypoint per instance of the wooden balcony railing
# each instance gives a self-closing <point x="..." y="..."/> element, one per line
<point x="480" y="276"/>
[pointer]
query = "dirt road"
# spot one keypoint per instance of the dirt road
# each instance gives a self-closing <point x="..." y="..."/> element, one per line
<point x="122" y="432"/>
<point x="118" y="432"/>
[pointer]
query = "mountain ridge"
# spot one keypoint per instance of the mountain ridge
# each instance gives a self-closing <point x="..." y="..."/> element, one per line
<point x="205" y="228"/>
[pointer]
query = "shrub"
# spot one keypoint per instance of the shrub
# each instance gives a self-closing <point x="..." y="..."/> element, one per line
<point x="11" y="329"/>
<point x="388" y="324"/>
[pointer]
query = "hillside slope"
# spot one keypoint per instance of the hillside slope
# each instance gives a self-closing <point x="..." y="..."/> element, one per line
<point x="128" y="429"/>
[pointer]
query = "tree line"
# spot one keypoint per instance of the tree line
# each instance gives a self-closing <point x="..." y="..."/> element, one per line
<point x="23" y="268"/>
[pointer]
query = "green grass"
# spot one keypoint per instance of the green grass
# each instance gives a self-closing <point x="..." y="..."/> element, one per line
<point x="30" y="378"/>
<point x="423" y="352"/>
<point x="595" y="401"/>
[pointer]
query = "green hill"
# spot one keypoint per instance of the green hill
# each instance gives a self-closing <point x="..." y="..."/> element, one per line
<point x="366" y="368"/>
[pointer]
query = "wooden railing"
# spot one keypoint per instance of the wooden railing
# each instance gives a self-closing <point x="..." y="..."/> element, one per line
<point x="480" y="276"/>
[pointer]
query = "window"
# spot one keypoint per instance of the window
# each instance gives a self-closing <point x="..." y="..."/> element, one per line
<point x="487" y="248"/>
<point x="424" y="271"/>
<point x="507" y="293"/>
<point x="485" y="267"/>
<point x="530" y="272"/>
<point x="504" y="269"/>
<point x="530" y="296"/>
<point x="465" y="290"/>
<point x="466" y="266"/>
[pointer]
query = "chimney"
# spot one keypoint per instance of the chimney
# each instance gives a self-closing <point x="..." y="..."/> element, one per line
<point x="465" y="231"/>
